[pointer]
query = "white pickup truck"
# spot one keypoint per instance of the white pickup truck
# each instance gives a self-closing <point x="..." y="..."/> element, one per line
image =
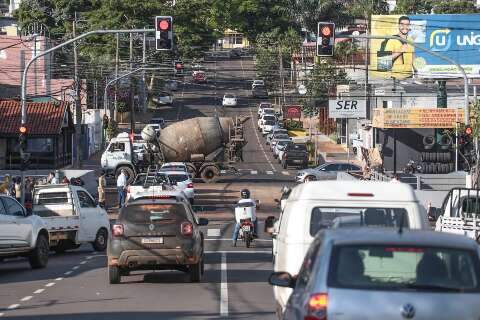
<point x="460" y="213"/>
<point x="72" y="217"/>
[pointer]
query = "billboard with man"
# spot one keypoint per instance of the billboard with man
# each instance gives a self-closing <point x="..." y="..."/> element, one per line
<point x="453" y="35"/>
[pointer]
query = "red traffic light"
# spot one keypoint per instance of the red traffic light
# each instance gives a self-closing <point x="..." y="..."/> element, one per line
<point x="164" y="25"/>
<point x="326" y="31"/>
<point x="468" y="131"/>
<point x="23" y="129"/>
<point x="178" y="66"/>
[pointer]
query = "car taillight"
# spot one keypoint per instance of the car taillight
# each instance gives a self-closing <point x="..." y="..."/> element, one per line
<point x="190" y="185"/>
<point x="117" y="230"/>
<point x="317" y="307"/>
<point x="186" y="229"/>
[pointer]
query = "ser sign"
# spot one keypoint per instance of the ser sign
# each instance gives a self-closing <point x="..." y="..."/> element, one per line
<point x="347" y="108"/>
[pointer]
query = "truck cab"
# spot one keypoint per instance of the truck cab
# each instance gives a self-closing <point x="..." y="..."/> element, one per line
<point x="118" y="155"/>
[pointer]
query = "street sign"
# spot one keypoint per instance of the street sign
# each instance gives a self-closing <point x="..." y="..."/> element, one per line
<point x="343" y="88"/>
<point x="292" y="112"/>
<point x="379" y="92"/>
<point x="347" y="108"/>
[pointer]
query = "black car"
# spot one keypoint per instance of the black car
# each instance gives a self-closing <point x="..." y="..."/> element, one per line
<point x="295" y="154"/>
<point x="157" y="233"/>
<point x="259" y="92"/>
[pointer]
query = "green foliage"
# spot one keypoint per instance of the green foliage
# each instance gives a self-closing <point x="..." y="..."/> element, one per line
<point x="455" y="7"/>
<point x="366" y="8"/>
<point x="343" y="50"/>
<point x="112" y="129"/>
<point x="310" y="12"/>
<point x="413" y="7"/>
<point x="324" y="77"/>
<point x="122" y="106"/>
<point x="293" y="125"/>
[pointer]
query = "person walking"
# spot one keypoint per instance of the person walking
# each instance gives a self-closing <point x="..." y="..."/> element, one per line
<point x="102" y="183"/>
<point x="18" y="188"/>
<point x="122" y="188"/>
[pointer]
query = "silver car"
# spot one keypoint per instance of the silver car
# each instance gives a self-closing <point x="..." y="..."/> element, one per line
<point x="375" y="273"/>
<point x="326" y="171"/>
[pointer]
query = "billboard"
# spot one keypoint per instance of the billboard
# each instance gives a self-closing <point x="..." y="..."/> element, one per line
<point x="455" y="36"/>
<point x="347" y="108"/>
<point x="416" y="117"/>
<point x="292" y="112"/>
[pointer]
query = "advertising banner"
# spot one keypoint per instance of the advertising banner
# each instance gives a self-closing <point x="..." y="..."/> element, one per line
<point x="416" y="117"/>
<point x="455" y="36"/>
<point x="347" y="109"/>
<point x="292" y="112"/>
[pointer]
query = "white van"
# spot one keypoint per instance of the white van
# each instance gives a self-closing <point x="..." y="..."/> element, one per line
<point x="314" y="205"/>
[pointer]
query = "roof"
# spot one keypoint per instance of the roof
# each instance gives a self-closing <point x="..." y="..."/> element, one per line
<point x="43" y="118"/>
<point x="384" y="236"/>
<point x="333" y="190"/>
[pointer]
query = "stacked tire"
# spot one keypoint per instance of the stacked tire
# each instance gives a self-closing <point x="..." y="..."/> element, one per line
<point x="437" y="162"/>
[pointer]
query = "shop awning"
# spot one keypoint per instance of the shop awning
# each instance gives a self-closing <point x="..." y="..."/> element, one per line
<point x="417" y="117"/>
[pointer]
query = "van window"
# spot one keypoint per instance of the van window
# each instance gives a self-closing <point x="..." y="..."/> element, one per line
<point x="117" y="146"/>
<point x="323" y="218"/>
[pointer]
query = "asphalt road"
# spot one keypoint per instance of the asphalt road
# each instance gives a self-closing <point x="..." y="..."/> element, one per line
<point x="75" y="284"/>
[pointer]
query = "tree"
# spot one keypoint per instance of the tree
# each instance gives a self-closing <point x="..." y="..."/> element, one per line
<point x="367" y="8"/>
<point x="413" y="7"/>
<point x="323" y="78"/>
<point x="310" y="12"/>
<point x="455" y="7"/>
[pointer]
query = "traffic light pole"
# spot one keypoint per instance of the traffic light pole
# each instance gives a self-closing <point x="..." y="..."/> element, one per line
<point x="41" y="54"/>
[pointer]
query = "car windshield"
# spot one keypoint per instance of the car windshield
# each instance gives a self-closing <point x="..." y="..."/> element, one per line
<point x="297" y="147"/>
<point x="270" y="122"/>
<point x="268" y="111"/>
<point x="157" y="121"/>
<point x="281" y="136"/>
<point x="265" y="105"/>
<point x="174" y="178"/>
<point x="282" y="143"/>
<point x="323" y="218"/>
<point x="266" y="118"/>
<point x="229" y="96"/>
<point x="153" y="213"/>
<point x="174" y="168"/>
<point x="140" y="180"/>
<point x="164" y="94"/>
<point x="397" y="267"/>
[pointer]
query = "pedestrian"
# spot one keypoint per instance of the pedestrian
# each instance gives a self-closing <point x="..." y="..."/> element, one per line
<point x="102" y="183"/>
<point x="18" y="188"/>
<point x="122" y="188"/>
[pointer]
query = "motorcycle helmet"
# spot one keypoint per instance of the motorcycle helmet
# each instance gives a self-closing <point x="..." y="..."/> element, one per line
<point x="245" y="194"/>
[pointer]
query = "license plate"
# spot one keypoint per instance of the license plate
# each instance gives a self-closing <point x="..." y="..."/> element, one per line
<point x="246" y="228"/>
<point x="152" y="240"/>
<point x="297" y="161"/>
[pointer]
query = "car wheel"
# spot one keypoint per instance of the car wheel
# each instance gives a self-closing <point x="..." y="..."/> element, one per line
<point x="100" y="243"/>
<point x="195" y="271"/>
<point x="310" y="178"/>
<point x="62" y="246"/>
<point x="210" y="174"/>
<point x="114" y="275"/>
<point x="38" y="257"/>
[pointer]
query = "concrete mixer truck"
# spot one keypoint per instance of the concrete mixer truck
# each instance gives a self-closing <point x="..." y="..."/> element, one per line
<point x="207" y="145"/>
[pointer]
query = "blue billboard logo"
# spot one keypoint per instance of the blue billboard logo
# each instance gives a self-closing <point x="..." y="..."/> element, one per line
<point x="440" y="40"/>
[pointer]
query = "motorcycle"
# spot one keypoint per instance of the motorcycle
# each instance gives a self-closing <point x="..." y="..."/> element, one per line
<point x="412" y="167"/>
<point x="244" y="216"/>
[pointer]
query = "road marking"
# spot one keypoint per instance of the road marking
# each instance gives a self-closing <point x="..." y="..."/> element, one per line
<point x="259" y="143"/>
<point x="254" y="172"/>
<point x="285" y="173"/>
<point x="26" y="298"/>
<point x="240" y="251"/>
<point x="75" y="268"/>
<point x="213" y="233"/>
<point x="59" y="279"/>
<point x="83" y="262"/>
<point x="269" y="172"/>
<point x="68" y="273"/>
<point x="226" y="239"/>
<point x="38" y="291"/>
<point x="50" y="284"/>
<point x="223" y="171"/>
<point x="89" y="257"/>
<point x="224" y="287"/>
<point x="13" y="306"/>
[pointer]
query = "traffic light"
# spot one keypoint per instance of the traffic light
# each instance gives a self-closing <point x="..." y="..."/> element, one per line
<point x="164" y="33"/>
<point x="105" y="122"/>
<point x="325" y="39"/>
<point x="468" y="131"/>
<point x="22" y="142"/>
<point x="178" y="66"/>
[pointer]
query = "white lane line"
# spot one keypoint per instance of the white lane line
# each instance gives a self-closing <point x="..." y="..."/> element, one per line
<point x="68" y="273"/>
<point x="38" y="291"/>
<point x="223" y="171"/>
<point x="213" y="233"/>
<point x="75" y="268"/>
<point x="1" y="314"/>
<point x="59" y="279"/>
<point x="13" y="306"/>
<point x="240" y="251"/>
<point x="89" y="257"/>
<point x="26" y="298"/>
<point x="285" y="173"/>
<point x="259" y="143"/>
<point x="224" y="287"/>
<point x="83" y="262"/>
<point x="226" y="239"/>
<point x="254" y="172"/>
<point x="269" y="172"/>
<point x="50" y="284"/>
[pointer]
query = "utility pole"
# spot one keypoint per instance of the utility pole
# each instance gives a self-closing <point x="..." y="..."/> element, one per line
<point x="144" y="79"/>
<point x="132" y="89"/>
<point x="113" y="115"/>
<point x="281" y="72"/>
<point x="78" y="106"/>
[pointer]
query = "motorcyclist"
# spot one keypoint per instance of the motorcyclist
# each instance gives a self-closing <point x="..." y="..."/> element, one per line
<point x="245" y="197"/>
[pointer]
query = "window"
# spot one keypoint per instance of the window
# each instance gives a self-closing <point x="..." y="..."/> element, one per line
<point x="174" y="178"/>
<point x="13" y="208"/>
<point x="333" y="167"/>
<point x="118" y="146"/>
<point x="323" y="218"/>
<point x="308" y="263"/>
<point x="85" y="200"/>
<point x="154" y="213"/>
<point x="238" y="39"/>
<point x="2" y="209"/>
<point x="52" y="198"/>
<point x="394" y="267"/>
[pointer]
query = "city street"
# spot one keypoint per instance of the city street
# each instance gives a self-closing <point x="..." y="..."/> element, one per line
<point x="234" y="286"/>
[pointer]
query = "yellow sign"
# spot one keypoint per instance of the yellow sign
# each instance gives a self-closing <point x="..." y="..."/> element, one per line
<point x="417" y="117"/>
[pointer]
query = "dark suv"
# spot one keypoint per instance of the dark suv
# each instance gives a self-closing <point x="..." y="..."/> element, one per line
<point x="160" y="233"/>
<point x="295" y="154"/>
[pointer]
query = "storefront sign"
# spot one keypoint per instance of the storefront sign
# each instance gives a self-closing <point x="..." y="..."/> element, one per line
<point x="347" y="108"/>
<point x="292" y="112"/>
<point x="417" y="117"/>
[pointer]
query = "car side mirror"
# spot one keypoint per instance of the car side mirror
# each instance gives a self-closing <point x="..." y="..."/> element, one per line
<point x="202" y="221"/>
<point x="269" y="224"/>
<point x="282" y="279"/>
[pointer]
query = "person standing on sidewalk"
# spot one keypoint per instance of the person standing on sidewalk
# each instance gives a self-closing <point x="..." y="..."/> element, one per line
<point x="18" y="188"/>
<point x="122" y="188"/>
<point x="102" y="183"/>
